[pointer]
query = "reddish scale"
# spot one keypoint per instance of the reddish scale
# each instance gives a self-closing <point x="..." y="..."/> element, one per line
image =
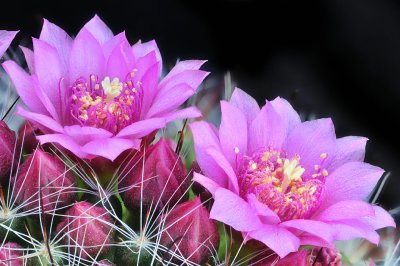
<point x="280" y="183"/>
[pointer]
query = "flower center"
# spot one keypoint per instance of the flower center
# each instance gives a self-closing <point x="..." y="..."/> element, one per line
<point x="281" y="183"/>
<point x="109" y="104"/>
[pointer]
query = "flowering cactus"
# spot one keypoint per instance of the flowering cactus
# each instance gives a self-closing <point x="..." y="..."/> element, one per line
<point x="284" y="182"/>
<point x="189" y="232"/>
<point x="163" y="179"/>
<point x="97" y="95"/>
<point x="7" y="146"/>
<point x="87" y="227"/>
<point x="46" y="181"/>
<point x="280" y="191"/>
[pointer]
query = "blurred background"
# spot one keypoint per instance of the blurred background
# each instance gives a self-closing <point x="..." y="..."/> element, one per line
<point x="338" y="59"/>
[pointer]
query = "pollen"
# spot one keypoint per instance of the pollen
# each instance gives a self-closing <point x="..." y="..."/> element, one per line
<point x="281" y="183"/>
<point x="323" y="155"/>
<point x="110" y="104"/>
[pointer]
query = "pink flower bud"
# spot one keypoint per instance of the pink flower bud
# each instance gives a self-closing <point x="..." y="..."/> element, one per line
<point x="325" y="257"/>
<point x="27" y="137"/>
<point x="7" y="143"/>
<point x="50" y="174"/>
<point x="189" y="232"/>
<point x="164" y="176"/>
<point x="87" y="227"/>
<point x="11" y="255"/>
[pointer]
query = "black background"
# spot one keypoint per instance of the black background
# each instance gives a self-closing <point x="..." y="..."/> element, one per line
<point x="338" y="59"/>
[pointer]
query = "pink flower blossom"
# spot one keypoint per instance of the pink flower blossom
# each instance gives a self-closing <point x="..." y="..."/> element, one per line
<point x="285" y="182"/>
<point x="96" y="95"/>
<point x="6" y="38"/>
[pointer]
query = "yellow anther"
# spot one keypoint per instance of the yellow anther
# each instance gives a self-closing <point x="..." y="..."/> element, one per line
<point x="324" y="172"/>
<point x="236" y="150"/>
<point x="92" y="77"/>
<point x="323" y="155"/>
<point x="254" y="166"/>
<point x="316" y="167"/>
<point x="279" y="161"/>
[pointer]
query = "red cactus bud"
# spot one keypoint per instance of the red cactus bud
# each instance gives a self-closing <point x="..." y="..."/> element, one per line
<point x="27" y="137"/>
<point x="325" y="257"/>
<point x="48" y="172"/>
<point x="85" y="226"/>
<point x="7" y="143"/>
<point x="189" y="232"/>
<point x="11" y="255"/>
<point x="164" y="177"/>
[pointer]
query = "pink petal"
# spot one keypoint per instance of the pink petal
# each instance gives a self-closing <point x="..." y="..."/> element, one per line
<point x="43" y="120"/>
<point x="233" y="133"/>
<point x="346" y="230"/>
<point x="380" y="219"/>
<point x="149" y="87"/>
<point x="83" y="135"/>
<point x="49" y="72"/>
<point x="267" y="129"/>
<point x="141" y="49"/>
<point x="190" y="112"/>
<point x="344" y="210"/>
<point x="99" y="29"/>
<point x="6" y="38"/>
<point x="65" y="141"/>
<point x="86" y="57"/>
<point x="349" y="149"/>
<point x="110" y="148"/>
<point x="182" y="66"/>
<point x="206" y="182"/>
<point x="23" y="84"/>
<point x="226" y="167"/>
<point x="247" y="104"/>
<point x="59" y="39"/>
<point x="309" y="140"/>
<point x="277" y="238"/>
<point x="120" y="61"/>
<point x="266" y="215"/>
<point x="232" y="210"/>
<point x="290" y="117"/>
<point x="311" y="240"/>
<point x="142" y="128"/>
<point x="29" y="58"/>
<point x="164" y="103"/>
<point x="193" y="78"/>
<point x="114" y="42"/>
<point x="352" y="181"/>
<point x="316" y="228"/>
<point x="204" y="137"/>
<point x="44" y="98"/>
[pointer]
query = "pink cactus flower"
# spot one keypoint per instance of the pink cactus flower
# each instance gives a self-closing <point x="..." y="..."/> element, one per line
<point x="285" y="182"/>
<point x="96" y="95"/>
<point x="6" y="38"/>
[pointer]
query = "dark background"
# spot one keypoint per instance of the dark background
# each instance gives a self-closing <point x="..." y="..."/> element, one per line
<point x="331" y="58"/>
